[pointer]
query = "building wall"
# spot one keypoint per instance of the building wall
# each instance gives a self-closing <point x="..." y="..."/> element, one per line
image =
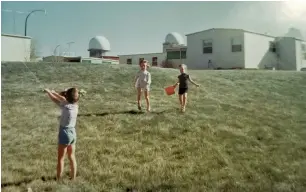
<point x="257" y="51"/>
<point x="53" y="59"/>
<point x="300" y="57"/>
<point x="93" y="60"/>
<point x="135" y="58"/>
<point x="222" y="55"/>
<point x="286" y="51"/>
<point x="15" y="48"/>
<point x="195" y="57"/>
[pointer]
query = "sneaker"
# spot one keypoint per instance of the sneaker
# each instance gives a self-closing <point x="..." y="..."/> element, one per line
<point x="139" y="107"/>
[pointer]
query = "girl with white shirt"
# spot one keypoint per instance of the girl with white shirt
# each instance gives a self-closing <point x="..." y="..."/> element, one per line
<point x="142" y="83"/>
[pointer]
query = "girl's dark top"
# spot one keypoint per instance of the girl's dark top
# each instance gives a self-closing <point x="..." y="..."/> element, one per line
<point x="183" y="80"/>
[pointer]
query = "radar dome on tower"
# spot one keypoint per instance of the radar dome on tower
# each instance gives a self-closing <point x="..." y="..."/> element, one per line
<point x="173" y="39"/>
<point x="98" y="46"/>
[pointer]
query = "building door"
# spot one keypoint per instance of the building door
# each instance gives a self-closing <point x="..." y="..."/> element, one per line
<point x="154" y="61"/>
<point x="129" y="61"/>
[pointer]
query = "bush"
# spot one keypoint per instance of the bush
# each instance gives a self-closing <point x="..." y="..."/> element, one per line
<point x="168" y="64"/>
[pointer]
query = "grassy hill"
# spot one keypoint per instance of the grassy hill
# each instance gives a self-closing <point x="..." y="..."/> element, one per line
<point x="242" y="131"/>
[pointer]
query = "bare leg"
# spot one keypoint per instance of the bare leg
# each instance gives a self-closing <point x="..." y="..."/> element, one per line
<point x="184" y="101"/>
<point x="181" y="101"/>
<point x="147" y="94"/>
<point x="60" y="160"/>
<point x="139" y="97"/>
<point x="72" y="159"/>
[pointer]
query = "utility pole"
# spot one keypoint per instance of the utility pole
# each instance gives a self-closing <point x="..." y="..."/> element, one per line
<point x="54" y="52"/>
<point x="69" y="43"/>
<point x="14" y="16"/>
<point x="26" y="21"/>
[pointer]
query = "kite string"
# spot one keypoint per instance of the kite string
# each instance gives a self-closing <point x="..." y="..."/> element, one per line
<point x="39" y="82"/>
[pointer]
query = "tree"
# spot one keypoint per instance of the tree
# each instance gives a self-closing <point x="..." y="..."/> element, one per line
<point x="33" y="54"/>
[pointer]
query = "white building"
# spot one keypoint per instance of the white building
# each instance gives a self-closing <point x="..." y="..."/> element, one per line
<point x="237" y="48"/>
<point x="291" y="53"/>
<point x="97" y="48"/>
<point x="174" y="53"/>
<point x="15" y="48"/>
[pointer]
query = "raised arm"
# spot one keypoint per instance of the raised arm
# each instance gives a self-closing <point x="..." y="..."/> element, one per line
<point x="53" y="97"/>
<point x="189" y="78"/>
<point x="58" y="96"/>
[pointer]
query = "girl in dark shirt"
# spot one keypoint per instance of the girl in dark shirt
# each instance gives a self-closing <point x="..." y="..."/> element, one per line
<point x="183" y="80"/>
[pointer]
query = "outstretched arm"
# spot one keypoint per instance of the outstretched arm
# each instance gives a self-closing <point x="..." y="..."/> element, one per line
<point x="193" y="82"/>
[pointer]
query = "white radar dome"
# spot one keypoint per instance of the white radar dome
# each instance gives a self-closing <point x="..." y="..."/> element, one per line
<point x="99" y="43"/>
<point x="174" y="38"/>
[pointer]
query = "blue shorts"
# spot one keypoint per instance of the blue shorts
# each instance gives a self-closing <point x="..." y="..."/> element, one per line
<point x="67" y="136"/>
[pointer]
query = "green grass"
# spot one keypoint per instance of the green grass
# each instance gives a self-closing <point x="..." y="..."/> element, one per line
<point x="242" y="131"/>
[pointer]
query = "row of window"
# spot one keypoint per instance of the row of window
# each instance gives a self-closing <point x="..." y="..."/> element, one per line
<point x="208" y="48"/>
<point x="303" y="48"/>
<point x="176" y="55"/>
<point x="170" y="55"/>
<point x="208" y="45"/>
<point x="154" y="61"/>
<point x="236" y="46"/>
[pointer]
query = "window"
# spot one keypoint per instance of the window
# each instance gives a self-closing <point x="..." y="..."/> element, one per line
<point x="129" y="61"/>
<point x="183" y="55"/>
<point x="176" y="54"/>
<point x="207" y="46"/>
<point x="236" y="44"/>
<point x="303" y="47"/>
<point x="154" y="61"/>
<point x="272" y="47"/>
<point x="173" y="55"/>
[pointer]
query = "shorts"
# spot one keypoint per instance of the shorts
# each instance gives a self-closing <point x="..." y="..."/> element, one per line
<point x="144" y="87"/>
<point x="67" y="136"/>
<point x="182" y="91"/>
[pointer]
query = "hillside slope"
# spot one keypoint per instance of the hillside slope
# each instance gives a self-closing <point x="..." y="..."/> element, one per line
<point x="242" y="130"/>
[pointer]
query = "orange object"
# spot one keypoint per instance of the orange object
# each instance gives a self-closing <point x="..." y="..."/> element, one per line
<point x="170" y="90"/>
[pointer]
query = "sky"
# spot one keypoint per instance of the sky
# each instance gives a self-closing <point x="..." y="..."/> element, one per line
<point x="141" y="27"/>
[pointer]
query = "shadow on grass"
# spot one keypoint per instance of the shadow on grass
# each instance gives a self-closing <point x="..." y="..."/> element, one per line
<point x="26" y="181"/>
<point x="162" y="187"/>
<point x="131" y="112"/>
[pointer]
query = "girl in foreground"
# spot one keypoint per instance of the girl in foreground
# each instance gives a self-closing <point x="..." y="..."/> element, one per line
<point x="67" y="101"/>
<point x="142" y="82"/>
<point x="183" y="79"/>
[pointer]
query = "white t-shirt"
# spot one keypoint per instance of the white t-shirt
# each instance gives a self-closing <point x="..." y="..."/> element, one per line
<point x="143" y="79"/>
<point x="69" y="114"/>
